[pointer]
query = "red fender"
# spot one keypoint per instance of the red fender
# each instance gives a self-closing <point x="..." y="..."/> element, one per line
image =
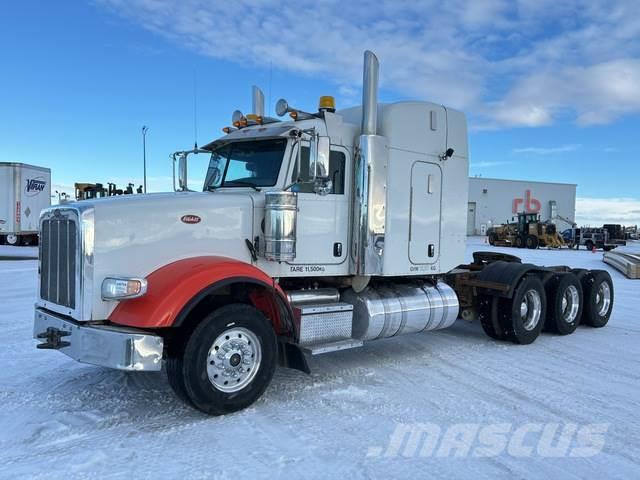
<point x="172" y="287"/>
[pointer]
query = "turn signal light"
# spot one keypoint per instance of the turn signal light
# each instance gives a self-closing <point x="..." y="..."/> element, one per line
<point x="226" y="129"/>
<point x="240" y="123"/>
<point x="294" y="115"/>
<point x="120" y="288"/>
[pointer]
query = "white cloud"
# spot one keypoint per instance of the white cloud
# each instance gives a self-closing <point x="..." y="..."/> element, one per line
<point x="547" y="150"/>
<point x="597" y="211"/>
<point x="507" y="63"/>
<point x="488" y="164"/>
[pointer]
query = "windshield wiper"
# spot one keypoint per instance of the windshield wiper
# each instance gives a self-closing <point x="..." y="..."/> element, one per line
<point x="240" y="183"/>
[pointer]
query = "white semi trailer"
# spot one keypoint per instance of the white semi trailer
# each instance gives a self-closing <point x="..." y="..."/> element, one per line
<point x="312" y="235"/>
<point x="25" y="190"/>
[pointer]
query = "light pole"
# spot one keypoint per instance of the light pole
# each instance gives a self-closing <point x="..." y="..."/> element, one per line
<point x="145" y="129"/>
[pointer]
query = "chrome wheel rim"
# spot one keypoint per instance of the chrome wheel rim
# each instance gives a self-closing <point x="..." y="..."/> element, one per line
<point x="603" y="298"/>
<point x="234" y="359"/>
<point x="570" y="304"/>
<point x="530" y="310"/>
<point x="12" y="239"/>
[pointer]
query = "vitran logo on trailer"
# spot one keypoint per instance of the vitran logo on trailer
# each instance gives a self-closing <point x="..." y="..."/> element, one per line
<point x="34" y="186"/>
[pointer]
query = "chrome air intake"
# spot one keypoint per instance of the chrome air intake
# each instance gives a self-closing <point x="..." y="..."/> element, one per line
<point x="396" y="309"/>
<point x="280" y="217"/>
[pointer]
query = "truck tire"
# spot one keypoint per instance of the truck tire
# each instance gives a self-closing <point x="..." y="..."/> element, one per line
<point x="519" y="242"/>
<point x="532" y="242"/>
<point x="492" y="238"/>
<point x="580" y="273"/>
<point x="564" y="303"/>
<point x="589" y="245"/>
<point x="488" y="315"/>
<point x="13" y="240"/>
<point x="173" y="367"/>
<point x="522" y="316"/>
<point x="598" y="298"/>
<point x="218" y="384"/>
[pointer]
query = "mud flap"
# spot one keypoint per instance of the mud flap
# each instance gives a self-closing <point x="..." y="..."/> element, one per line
<point x="291" y="356"/>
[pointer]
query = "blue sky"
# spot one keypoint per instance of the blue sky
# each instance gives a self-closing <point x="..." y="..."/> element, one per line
<point x="552" y="92"/>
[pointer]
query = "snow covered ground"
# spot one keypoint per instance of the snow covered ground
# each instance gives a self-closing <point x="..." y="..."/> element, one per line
<point x="59" y="418"/>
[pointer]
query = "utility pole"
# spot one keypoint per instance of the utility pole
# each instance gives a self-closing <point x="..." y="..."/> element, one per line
<point x="145" y="129"/>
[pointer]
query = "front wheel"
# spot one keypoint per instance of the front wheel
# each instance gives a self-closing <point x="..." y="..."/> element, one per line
<point x="532" y="242"/>
<point x="227" y="362"/>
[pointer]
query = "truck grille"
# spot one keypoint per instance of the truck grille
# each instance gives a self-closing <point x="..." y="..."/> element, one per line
<point x="58" y="242"/>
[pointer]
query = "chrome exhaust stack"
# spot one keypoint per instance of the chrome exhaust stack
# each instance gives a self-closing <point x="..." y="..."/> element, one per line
<point x="369" y="199"/>
<point x="257" y="101"/>
<point x="370" y="94"/>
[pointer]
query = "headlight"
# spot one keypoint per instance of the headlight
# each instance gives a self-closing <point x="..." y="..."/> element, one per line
<point x="120" y="288"/>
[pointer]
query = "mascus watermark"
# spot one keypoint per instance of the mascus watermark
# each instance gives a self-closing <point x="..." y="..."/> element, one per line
<point x="465" y="440"/>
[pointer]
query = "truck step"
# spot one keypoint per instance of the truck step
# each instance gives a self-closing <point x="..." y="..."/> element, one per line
<point x="321" y="348"/>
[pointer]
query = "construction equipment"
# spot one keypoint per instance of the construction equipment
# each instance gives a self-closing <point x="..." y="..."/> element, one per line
<point x="89" y="191"/>
<point x="527" y="232"/>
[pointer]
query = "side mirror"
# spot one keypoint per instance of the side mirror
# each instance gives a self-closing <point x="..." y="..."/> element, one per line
<point x="319" y="165"/>
<point x="182" y="172"/>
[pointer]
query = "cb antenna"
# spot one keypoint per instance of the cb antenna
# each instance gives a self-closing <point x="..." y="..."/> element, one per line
<point x="270" y="79"/>
<point x="195" y="112"/>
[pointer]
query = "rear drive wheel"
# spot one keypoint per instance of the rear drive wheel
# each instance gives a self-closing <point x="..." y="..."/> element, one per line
<point x="564" y="303"/>
<point x="598" y="298"/>
<point x="522" y="317"/>
<point x="228" y="361"/>
<point x="532" y="242"/>
<point x="488" y="314"/>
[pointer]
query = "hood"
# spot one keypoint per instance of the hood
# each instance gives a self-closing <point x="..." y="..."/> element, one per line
<point x="137" y="234"/>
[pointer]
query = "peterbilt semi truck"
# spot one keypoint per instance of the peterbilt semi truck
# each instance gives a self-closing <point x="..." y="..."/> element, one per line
<point x="311" y="235"/>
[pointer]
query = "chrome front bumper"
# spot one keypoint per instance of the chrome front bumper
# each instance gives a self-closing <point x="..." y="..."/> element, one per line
<point x="121" y="348"/>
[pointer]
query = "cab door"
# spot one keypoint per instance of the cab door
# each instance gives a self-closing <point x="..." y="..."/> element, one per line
<point x="323" y="220"/>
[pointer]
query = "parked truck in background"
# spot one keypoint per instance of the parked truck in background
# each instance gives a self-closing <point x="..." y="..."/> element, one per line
<point x="310" y="235"/>
<point x="606" y="238"/>
<point x="25" y="190"/>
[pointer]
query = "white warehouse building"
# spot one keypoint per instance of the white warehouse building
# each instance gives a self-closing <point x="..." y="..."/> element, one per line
<point x="493" y="201"/>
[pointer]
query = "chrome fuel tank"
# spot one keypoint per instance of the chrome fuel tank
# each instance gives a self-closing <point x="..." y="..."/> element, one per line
<point x="396" y="309"/>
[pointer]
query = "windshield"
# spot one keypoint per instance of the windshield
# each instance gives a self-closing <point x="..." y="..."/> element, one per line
<point x="249" y="163"/>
